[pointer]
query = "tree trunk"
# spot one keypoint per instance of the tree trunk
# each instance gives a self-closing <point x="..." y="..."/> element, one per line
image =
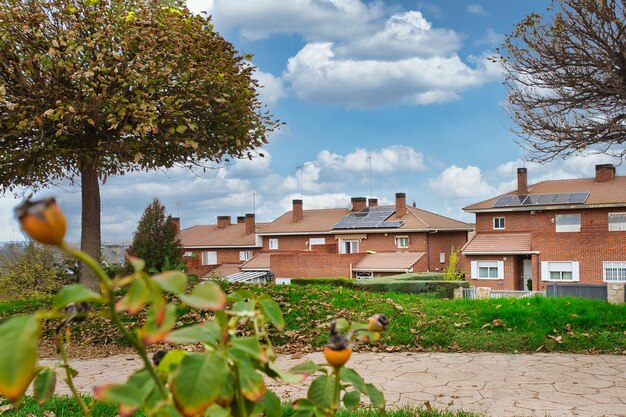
<point x="90" y="221"/>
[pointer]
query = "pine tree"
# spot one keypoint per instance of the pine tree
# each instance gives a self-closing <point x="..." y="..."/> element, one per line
<point x="155" y="240"/>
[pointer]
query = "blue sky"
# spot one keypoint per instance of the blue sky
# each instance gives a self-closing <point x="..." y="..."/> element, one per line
<point x="407" y="83"/>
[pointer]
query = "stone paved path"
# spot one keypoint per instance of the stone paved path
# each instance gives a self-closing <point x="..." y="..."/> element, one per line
<point x="493" y="384"/>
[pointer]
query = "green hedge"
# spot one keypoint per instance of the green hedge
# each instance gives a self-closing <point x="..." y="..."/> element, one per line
<point x="336" y="282"/>
<point x="444" y="289"/>
<point x="410" y="276"/>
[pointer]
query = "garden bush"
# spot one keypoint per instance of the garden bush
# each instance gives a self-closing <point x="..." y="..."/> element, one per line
<point x="335" y="282"/>
<point x="442" y="289"/>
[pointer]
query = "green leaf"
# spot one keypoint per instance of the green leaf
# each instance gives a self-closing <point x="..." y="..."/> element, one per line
<point x="74" y="294"/>
<point x="285" y="377"/>
<point x="173" y="358"/>
<point x="44" y="385"/>
<point x="304" y="408"/>
<point x="138" y="264"/>
<point x="159" y="323"/>
<point x="129" y="395"/>
<point x="198" y="382"/>
<point x="306" y="368"/>
<point x="342" y="325"/>
<point x="321" y="391"/>
<point x="19" y="337"/>
<point x="352" y="377"/>
<point x="271" y="309"/>
<point x="137" y="295"/>
<point x="206" y="296"/>
<point x="377" y="397"/>
<point x="351" y="399"/>
<point x="193" y="334"/>
<point x="217" y="411"/>
<point x="250" y="381"/>
<point x="250" y="346"/>
<point x="271" y="405"/>
<point x="174" y="282"/>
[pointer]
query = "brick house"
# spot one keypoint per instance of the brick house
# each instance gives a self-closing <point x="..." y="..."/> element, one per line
<point x="365" y="240"/>
<point x="566" y="231"/>
<point x="220" y="247"/>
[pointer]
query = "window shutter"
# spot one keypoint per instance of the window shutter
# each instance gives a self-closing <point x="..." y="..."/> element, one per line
<point x="545" y="271"/>
<point x="474" y="269"/>
<point x="575" y="271"/>
<point x="500" y="269"/>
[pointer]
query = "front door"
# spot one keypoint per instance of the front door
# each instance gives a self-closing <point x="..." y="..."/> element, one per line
<point x="527" y="273"/>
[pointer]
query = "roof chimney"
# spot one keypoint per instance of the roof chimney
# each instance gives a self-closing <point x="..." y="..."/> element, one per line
<point x="373" y="202"/>
<point x="241" y="219"/>
<point x="522" y="181"/>
<point x="297" y="210"/>
<point x="400" y="205"/>
<point x="223" y="222"/>
<point x="176" y="222"/>
<point x="250" y="226"/>
<point x="358" y="203"/>
<point x="605" y="173"/>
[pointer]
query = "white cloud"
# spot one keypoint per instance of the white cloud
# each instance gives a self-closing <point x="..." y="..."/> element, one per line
<point x="270" y="89"/>
<point x="198" y="6"/>
<point x="388" y="160"/>
<point x="477" y="9"/>
<point x="316" y="75"/>
<point x="461" y="183"/>
<point x="491" y="38"/>
<point x="313" y="19"/>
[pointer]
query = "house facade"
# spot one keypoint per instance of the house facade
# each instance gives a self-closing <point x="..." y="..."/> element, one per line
<point x="363" y="240"/>
<point x="222" y="247"/>
<point x="557" y="231"/>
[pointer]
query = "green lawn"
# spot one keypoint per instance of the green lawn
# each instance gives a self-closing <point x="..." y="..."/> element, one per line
<point x="419" y="322"/>
<point x="67" y="407"/>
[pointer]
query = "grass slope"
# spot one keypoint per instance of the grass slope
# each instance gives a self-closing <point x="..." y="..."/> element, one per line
<point x="418" y="322"/>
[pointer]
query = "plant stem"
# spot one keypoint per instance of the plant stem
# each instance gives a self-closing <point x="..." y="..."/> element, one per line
<point x="334" y="406"/>
<point x="107" y="285"/>
<point x="69" y="380"/>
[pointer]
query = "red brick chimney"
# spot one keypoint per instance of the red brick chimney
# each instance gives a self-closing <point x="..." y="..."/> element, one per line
<point x="400" y="205"/>
<point x="297" y="210"/>
<point x="176" y="222"/>
<point x="241" y="219"/>
<point x="358" y="203"/>
<point x="373" y="202"/>
<point x="250" y="226"/>
<point x="605" y="173"/>
<point x="223" y="222"/>
<point x="522" y="181"/>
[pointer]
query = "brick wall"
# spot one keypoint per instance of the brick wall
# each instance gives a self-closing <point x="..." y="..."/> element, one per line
<point x="590" y="247"/>
<point x="442" y="242"/>
<point x="224" y="256"/>
<point x="311" y="264"/>
<point x="294" y="242"/>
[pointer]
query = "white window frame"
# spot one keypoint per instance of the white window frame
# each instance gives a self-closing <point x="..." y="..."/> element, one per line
<point x="400" y="242"/>
<point x="188" y="254"/>
<point x="364" y="275"/>
<point x="620" y="266"/>
<point x="354" y="245"/>
<point x="568" y="227"/>
<point x="442" y="257"/>
<point x="273" y="244"/>
<point x="619" y="226"/>
<point x="562" y="267"/>
<point x="477" y="265"/>
<point x="245" y="255"/>
<point x="209" y="258"/>
<point x="317" y="241"/>
<point x="497" y="226"/>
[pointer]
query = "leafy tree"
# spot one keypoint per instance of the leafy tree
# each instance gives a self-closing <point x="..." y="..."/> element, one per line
<point x="156" y="240"/>
<point x="91" y="89"/>
<point x="451" y="273"/>
<point x="566" y="77"/>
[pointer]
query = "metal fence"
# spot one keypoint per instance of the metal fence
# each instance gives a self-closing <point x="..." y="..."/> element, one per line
<point x="514" y="294"/>
<point x="592" y="291"/>
<point x="468" y="293"/>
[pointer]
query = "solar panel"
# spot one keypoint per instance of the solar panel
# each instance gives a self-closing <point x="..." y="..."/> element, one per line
<point x="541" y="199"/>
<point x="369" y="218"/>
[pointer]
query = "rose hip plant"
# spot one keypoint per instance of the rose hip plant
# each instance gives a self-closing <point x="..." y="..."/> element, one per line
<point x="227" y="378"/>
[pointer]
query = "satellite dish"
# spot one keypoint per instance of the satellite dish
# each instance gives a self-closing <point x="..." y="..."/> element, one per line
<point x="350" y="206"/>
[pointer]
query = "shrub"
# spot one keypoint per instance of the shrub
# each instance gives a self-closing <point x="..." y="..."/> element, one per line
<point x="443" y="289"/>
<point x="335" y="282"/>
<point x="31" y="271"/>
<point x="451" y="273"/>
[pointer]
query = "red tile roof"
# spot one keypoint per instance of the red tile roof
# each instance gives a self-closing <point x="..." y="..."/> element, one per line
<point x="499" y="243"/>
<point x="321" y="221"/>
<point x="233" y="235"/>
<point x="388" y="261"/>
<point x="260" y="262"/>
<point x="608" y="193"/>
<point x="223" y="270"/>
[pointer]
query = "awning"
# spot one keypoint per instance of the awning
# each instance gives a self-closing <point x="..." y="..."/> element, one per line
<point x="388" y="262"/>
<point x="499" y="244"/>
<point x="254" y="277"/>
<point x="351" y="237"/>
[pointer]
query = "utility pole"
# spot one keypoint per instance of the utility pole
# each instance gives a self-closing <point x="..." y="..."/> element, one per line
<point x="370" y="160"/>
